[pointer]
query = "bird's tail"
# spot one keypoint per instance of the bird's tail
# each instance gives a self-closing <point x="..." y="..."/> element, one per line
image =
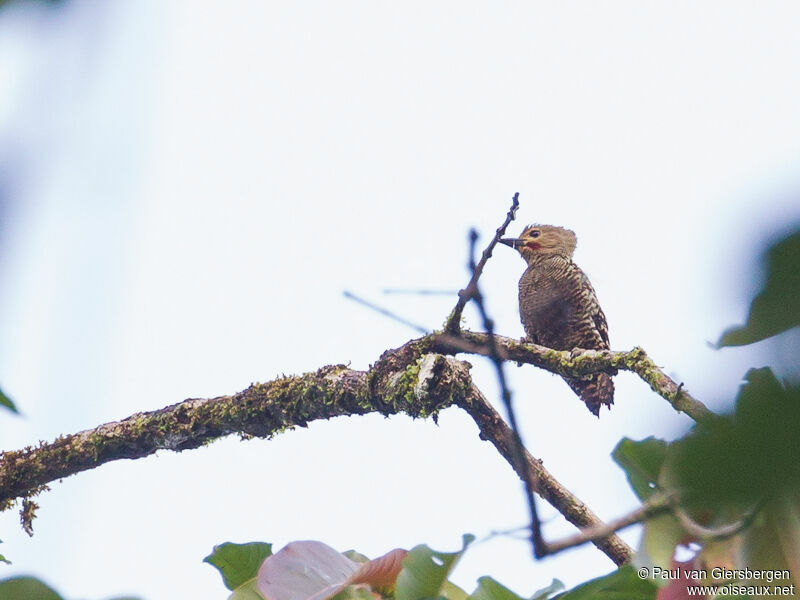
<point x="595" y="391"/>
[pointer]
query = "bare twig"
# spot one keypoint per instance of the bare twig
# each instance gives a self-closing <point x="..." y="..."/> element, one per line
<point x="453" y="323"/>
<point x="421" y="292"/>
<point x="385" y="312"/>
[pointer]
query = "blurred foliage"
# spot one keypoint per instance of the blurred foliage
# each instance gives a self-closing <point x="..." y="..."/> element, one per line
<point x="30" y="588"/>
<point x="777" y="307"/>
<point x="738" y="480"/>
<point x="642" y="463"/>
<point x="7" y="403"/>
<point x="746" y="456"/>
<point x="737" y="477"/>
<point x="26" y="587"/>
<point x="4" y="3"/>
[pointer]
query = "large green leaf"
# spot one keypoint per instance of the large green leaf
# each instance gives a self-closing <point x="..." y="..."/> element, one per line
<point x="642" y="463"/>
<point x="238" y="563"/>
<point x="622" y="584"/>
<point x="777" y="307"/>
<point x="425" y="572"/>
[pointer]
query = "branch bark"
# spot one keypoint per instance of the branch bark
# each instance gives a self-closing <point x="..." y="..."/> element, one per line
<point x="494" y="429"/>
<point x="412" y="379"/>
<point x="577" y="364"/>
<point x="407" y="379"/>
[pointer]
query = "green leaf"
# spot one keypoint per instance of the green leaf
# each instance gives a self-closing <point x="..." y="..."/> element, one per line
<point x="6" y="402"/>
<point x="247" y="591"/>
<point x="425" y="572"/>
<point x="489" y="589"/>
<point x="622" y="584"/>
<point x="641" y="462"/>
<point x="777" y="307"/>
<point x="26" y="587"/>
<point x="238" y="563"/>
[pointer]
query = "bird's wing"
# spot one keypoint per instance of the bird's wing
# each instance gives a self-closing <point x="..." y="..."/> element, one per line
<point x="591" y="307"/>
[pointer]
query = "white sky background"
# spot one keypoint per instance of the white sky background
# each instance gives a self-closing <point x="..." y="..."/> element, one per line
<point x="192" y="187"/>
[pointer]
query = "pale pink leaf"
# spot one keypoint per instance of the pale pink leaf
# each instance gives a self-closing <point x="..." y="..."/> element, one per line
<point x="306" y="570"/>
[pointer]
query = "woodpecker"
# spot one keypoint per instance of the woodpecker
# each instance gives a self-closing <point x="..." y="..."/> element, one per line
<point x="558" y="306"/>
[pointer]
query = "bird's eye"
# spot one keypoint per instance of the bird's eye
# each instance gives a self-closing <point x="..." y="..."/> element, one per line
<point x="534" y="233"/>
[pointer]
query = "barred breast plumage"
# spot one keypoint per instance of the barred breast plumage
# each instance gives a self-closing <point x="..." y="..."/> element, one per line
<point x="558" y="305"/>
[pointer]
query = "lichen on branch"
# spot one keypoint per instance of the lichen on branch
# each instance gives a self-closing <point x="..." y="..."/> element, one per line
<point x="578" y="363"/>
<point x="408" y="379"/>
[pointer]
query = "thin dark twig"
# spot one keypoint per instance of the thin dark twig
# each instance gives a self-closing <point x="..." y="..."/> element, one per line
<point x="507" y="533"/>
<point x="657" y="505"/>
<point x="422" y="292"/>
<point x="539" y="547"/>
<point x="453" y="323"/>
<point x="384" y="312"/>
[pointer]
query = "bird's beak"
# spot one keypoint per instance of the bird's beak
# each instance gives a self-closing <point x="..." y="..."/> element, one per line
<point x="511" y="242"/>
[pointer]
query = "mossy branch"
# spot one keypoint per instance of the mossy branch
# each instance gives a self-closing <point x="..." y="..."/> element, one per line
<point x="261" y="410"/>
<point x="410" y="379"/>
<point x="577" y="364"/>
<point x="407" y="380"/>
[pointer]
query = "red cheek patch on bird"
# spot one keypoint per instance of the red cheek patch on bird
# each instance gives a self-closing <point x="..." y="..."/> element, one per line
<point x="533" y="245"/>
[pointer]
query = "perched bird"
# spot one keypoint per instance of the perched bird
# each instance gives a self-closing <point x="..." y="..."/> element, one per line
<point x="558" y="306"/>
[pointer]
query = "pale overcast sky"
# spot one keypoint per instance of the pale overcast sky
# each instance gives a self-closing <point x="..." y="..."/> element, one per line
<point x="187" y="189"/>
